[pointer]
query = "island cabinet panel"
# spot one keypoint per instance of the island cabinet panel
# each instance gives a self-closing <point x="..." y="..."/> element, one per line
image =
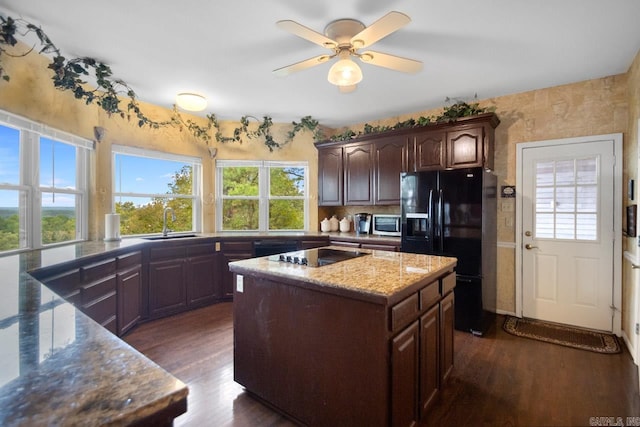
<point x="358" y="174"/>
<point x="405" y="360"/>
<point x="447" y="318"/>
<point x="429" y="361"/>
<point x="330" y="176"/>
<point x="322" y="359"/>
<point x="391" y="156"/>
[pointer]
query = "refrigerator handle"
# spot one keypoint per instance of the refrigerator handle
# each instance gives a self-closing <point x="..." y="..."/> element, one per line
<point x="430" y="217"/>
<point x="441" y="221"/>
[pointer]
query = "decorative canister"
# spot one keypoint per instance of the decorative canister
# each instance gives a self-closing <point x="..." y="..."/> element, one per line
<point x="334" y="224"/>
<point x="345" y="225"/>
<point x="325" y="225"/>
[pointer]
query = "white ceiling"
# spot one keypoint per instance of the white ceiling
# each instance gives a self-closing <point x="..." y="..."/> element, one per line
<point x="227" y="50"/>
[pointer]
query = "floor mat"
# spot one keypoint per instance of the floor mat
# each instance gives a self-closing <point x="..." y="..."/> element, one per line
<point x="568" y="336"/>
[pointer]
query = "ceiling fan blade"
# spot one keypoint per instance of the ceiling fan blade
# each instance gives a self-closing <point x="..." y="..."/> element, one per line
<point x="306" y="33"/>
<point x="384" y="26"/>
<point x="302" y="65"/>
<point x="391" y="61"/>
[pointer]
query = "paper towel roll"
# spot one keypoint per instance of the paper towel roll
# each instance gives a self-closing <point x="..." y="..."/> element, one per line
<point x="111" y="227"/>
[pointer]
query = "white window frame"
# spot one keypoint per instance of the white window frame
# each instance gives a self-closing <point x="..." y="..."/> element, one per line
<point x="263" y="196"/>
<point x="196" y="196"/>
<point x="30" y="201"/>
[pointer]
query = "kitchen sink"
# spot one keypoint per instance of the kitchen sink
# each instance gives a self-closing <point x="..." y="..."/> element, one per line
<point x="169" y="237"/>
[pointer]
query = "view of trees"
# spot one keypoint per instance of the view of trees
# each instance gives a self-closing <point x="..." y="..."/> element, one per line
<point x="148" y="218"/>
<point x="243" y="214"/>
<point x="9" y="228"/>
<point x="59" y="224"/>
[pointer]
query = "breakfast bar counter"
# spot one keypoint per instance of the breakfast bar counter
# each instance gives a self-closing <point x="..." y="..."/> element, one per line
<point x="59" y="367"/>
<point x="362" y="341"/>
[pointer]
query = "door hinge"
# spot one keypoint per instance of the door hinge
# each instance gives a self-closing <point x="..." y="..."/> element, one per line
<point x="637" y="328"/>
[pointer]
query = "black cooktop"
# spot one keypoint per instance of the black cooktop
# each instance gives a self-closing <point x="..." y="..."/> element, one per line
<point x="316" y="257"/>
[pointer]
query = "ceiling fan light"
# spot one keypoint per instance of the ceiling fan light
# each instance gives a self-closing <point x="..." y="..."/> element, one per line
<point x="347" y="89"/>
<point x="191" y="101"/>
<point x="345" y="72"/>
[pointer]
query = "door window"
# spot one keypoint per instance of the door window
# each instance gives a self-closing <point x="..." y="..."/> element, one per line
<point x="566" y="205"/>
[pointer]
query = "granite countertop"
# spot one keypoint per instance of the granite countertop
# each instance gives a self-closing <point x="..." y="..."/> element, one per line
<point x="381" y="276"/>
<point x="60" y="367"/>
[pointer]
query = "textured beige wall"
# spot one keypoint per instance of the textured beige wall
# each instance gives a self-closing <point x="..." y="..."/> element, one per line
<point x="630" y="276"/>
<point x="585" y="108"/>
<point x="31" y="94"/>
<point x="600" y="106"/>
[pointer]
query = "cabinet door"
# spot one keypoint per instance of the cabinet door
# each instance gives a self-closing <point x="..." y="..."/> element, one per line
<point x="429" y="355"/>
<point x="431" y="148"/>
<point x="404" y="377"/>
<point x="446" y="336"/>
<point x="391" y="159"/>
<point x="167" y="287"/>
<point x="358" y="172"/>
<point x="465" y="148"/>
<point x="202" y="287"/>
<point x="129" y="298"/>
<point x="330" y="176"/>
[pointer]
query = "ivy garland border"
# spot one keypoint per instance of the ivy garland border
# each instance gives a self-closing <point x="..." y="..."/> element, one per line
<point x="68" y="75"/>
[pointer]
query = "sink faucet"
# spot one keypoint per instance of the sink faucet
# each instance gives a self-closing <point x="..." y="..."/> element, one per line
<point x="166" y="230"/>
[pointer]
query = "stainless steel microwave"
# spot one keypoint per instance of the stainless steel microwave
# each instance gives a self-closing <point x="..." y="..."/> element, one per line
<point x="386" y="225"/>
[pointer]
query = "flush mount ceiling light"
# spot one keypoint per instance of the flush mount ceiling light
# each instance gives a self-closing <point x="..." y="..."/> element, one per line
<point x="191" y="101"/>
<point x="345" y="37"/>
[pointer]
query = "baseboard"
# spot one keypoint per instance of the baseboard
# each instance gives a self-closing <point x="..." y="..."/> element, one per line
<point x="627" y="342"/>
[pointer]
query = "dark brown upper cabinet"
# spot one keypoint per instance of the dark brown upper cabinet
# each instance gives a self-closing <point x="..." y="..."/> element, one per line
<point x="358" y="174"/>
<point x="366" y="170"/>
<point x="391" y="156"/>
<point x="330" y="176"/>
<point x="466" y="143"/>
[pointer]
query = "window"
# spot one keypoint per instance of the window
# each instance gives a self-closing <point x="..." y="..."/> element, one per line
<point x="146" y="182"/>
<point x="567" y="199"/>
<point x="261" y="196"/>
<point x="43" y="185"/>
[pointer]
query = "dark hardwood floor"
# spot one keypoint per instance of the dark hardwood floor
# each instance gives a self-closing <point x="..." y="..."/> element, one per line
<point x="498" y="380"/>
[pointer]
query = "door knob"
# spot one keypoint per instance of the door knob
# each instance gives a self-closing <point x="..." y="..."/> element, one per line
<point x="528" y="246"/>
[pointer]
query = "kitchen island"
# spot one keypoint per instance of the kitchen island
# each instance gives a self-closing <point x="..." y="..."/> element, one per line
<point x="365" y="341"/>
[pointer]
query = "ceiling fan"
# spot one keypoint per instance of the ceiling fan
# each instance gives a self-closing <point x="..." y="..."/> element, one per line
<point x="345" y="37"/>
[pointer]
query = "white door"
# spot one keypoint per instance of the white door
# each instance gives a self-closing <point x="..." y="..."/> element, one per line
<point x="568" y="233"/>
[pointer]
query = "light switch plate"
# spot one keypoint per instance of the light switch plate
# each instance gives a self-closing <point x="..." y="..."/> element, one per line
<point x="239" y="283"/>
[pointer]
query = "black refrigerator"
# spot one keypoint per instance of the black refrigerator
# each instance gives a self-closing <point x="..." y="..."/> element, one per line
<point x="453" y="213"/>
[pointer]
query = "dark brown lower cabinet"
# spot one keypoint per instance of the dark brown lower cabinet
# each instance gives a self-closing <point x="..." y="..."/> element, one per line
<point x="405" y="353"/>
<point x="202" y="283"/>
<point x="99" y="301"/>
<point x="167" y="287"/>
<point x="446" y="335"/>
<point x="129" y="298"/>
